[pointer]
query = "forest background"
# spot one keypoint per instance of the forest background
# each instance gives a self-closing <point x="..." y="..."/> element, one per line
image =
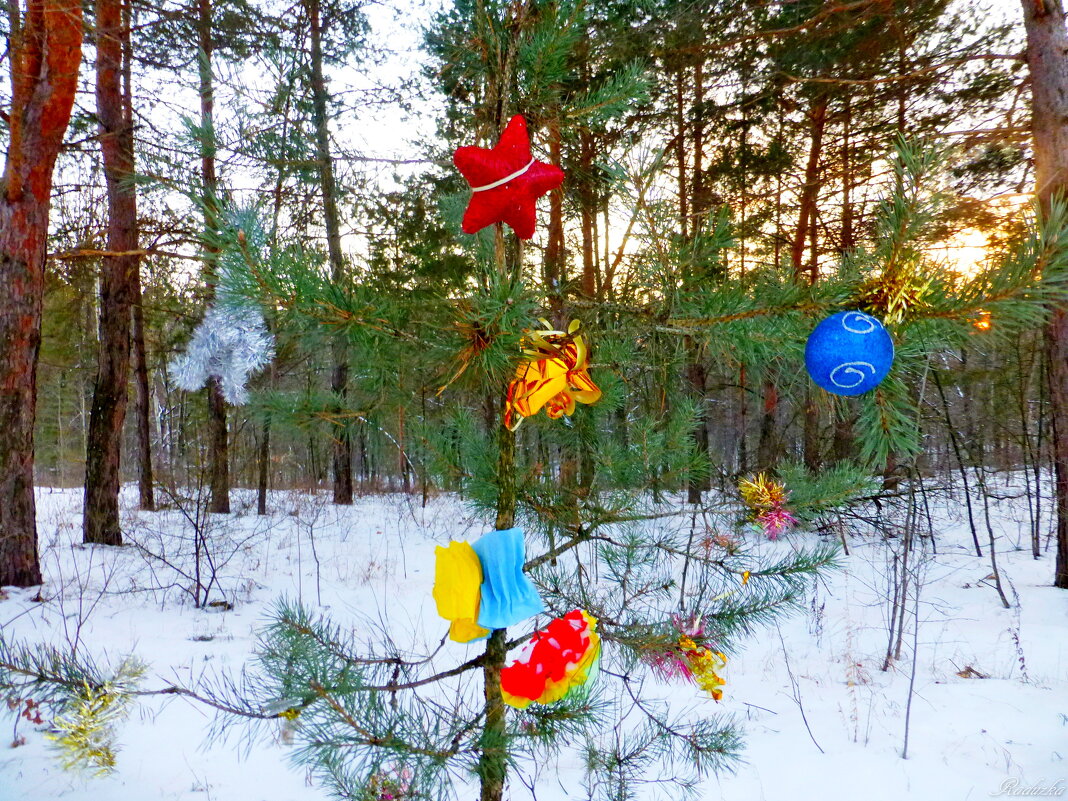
<point x="734" y="174"/>
<point x="781" y="118"/>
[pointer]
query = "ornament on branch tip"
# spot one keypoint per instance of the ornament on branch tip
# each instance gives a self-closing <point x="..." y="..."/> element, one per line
<point x="556" y="660"/>
<point x="392" y="785"/>
<point x="766" y="500"/>
<point x="457" y="579"/>
<point x="849" y="353"/>
<point x="230" y="343"/>
<point x="689" y="659"/>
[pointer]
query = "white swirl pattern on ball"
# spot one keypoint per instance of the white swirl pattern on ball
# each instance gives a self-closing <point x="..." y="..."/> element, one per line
<point x="856" y="375"/>
<point x="859" y="317"/>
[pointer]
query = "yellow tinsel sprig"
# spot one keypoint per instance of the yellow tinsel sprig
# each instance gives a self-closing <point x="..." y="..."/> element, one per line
<point x="760" y="493"/>
<point x="85" y="733"/>
<point x="892" y="296"/>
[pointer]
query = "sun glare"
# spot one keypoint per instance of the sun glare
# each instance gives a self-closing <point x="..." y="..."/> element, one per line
<point x="967" y="251"/>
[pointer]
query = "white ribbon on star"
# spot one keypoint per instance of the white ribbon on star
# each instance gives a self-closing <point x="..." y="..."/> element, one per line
<point x="503" y="180"/>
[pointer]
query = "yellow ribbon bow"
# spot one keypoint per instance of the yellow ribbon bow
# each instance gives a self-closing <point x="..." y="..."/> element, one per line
<point x="553" y="375"/>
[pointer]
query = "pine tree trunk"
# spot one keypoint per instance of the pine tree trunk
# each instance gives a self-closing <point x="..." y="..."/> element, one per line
<point x="743" y="421"/>
<point x="1047" y="43"/>
<point x="142" y="405"/>
<point x="493" y="759"/>
<point x="696" y="378"/>
<point x="44" y="52"/>
<point x="553" y="264"/>
<point x="342" y="446"/>
<point x="806" y="217"/>
<point x="767" y="446"/>
<point x="219" y="450"/>
<point x="806" y="230"/>
<point x="218" y="439"/>
<point x="848" y="235"/>
<point x="811" y="452"/>
<point x="103" y="458"/>
<point x="680" y="152"/>
<point x="696" y="374"/>
<point x="699" y="203"/>
<point x="588" y="211"/>
<point x="493" y="756"/>
<point x="842" y="446"/>
<point x="21" y="290"/>
<point x="143" y="396"/>
<point x="264" y="466"/>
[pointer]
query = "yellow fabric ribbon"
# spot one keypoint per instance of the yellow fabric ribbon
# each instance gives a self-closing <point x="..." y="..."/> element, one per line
<point x="457" y="582"/>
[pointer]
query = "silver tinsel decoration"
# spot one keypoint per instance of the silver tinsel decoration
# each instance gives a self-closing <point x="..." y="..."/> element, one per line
<point x="230" y="343"/>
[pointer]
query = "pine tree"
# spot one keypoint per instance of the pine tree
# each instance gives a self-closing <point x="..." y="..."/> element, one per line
<point x="342" y="461"/>
<point x="443" y="320"/>
<point x="335" y="689"/>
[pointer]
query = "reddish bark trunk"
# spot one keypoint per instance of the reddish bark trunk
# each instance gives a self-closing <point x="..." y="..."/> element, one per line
<point x="588" y="212"/>
<point x="103" y="458"/>
<point x="848" y="237"/>
<point x="806" y="219"/>
<point x="806" y="229"/>
<point x="44" y="53"/>
<point x="1047" y="43"/>
<point x="842" y="446"/>
<point x="699" y="204"/>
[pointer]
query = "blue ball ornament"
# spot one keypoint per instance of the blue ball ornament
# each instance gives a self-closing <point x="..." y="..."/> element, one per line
<point x="849" y="353"/>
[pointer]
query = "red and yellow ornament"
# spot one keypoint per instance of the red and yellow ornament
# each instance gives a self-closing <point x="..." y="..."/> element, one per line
<point x="687" y="659"/>
<point x="557" y="659"/>
<point x="703" y="663"/>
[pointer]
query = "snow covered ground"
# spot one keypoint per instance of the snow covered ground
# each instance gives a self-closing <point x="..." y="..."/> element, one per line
<point x="822" y="719"/>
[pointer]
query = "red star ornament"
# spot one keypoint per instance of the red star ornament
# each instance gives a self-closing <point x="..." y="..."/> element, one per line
<point x="506" y="181"/>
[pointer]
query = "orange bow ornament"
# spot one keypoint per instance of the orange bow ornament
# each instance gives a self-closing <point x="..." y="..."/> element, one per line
<point x="553" y="374"/>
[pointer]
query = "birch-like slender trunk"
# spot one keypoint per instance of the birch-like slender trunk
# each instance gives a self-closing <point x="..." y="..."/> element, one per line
<point x="218" y="436"/>
<point x="342" y="446"/>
